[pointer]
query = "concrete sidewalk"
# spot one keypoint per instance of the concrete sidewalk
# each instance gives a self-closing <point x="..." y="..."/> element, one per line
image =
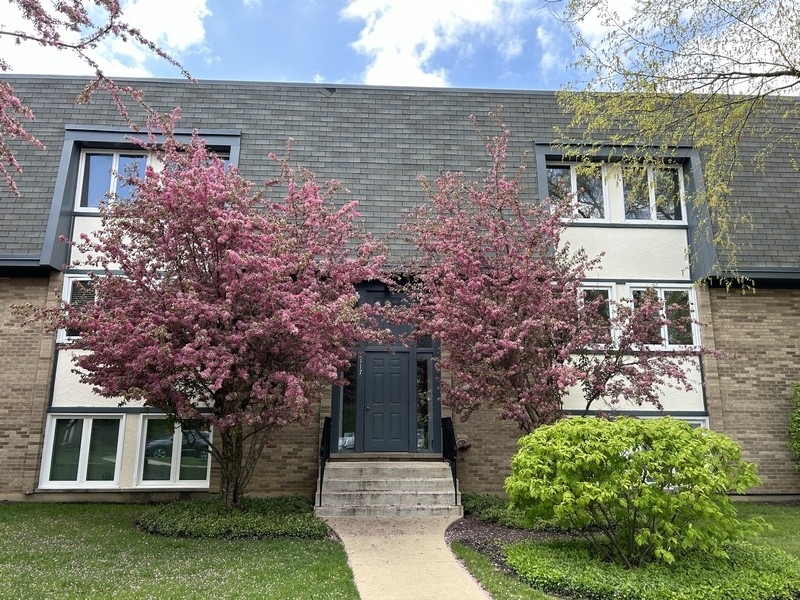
<point x="404" y="559"/>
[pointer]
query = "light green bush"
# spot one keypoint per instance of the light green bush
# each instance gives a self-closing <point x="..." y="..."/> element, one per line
<point x="638" y="490"/>
<point x="794" y="425"/>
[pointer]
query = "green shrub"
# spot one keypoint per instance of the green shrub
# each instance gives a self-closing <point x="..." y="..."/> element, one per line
<point x="282" y="517"/>
<point x="794" y="425"/>
<point x="752" y="572"/>
<point x="637" y="490"/>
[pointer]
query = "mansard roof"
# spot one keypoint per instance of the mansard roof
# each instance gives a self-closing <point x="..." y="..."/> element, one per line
<point x="375" y="141"/>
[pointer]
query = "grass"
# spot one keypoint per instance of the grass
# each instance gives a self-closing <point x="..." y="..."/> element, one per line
<point x="95" y="551"/>
<point x="498" y="584"/>
<point x="784" y="534"/>
<point x="785" y="521"/>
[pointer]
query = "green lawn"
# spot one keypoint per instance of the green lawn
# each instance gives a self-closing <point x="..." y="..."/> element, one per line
<point x="95" y="551"/>
<point x="784" y="533"/>
<point x="785" y="521"/>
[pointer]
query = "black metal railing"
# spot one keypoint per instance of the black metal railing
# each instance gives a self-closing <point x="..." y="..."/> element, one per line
<point x="324" y="453"/>
<point x="449" y="451"/>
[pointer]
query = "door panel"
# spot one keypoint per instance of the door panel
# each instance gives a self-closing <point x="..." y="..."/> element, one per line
<point x="386" y="402"/>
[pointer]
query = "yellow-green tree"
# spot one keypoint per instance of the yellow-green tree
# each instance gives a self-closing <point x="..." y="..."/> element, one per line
<point x="698" y="72"/>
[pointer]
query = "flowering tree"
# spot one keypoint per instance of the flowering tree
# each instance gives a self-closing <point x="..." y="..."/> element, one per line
<point x="494" y="282"/>
<point x="69" y="27"/>
<point x="217" y="306"/>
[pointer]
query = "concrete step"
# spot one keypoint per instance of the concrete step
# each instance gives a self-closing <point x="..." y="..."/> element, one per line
<point x="387" y="485"/>
<point x="437" y="510"/>
<point x="388" y="488"/>
<point x="388" y="498"/>
<point x="387" y="470"/>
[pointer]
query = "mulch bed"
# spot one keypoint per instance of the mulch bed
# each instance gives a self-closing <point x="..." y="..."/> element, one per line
<point x="489" y="538"/>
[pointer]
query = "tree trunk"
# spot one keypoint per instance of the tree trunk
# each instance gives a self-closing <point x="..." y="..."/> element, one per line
<point x="231" y="485"/>
<point x="240" y="451"/>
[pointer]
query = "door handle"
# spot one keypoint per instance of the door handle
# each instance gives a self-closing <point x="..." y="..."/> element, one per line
<point x="367" y="408"/>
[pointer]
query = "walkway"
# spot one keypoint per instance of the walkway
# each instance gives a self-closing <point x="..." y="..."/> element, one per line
<point x="404" y="558"/>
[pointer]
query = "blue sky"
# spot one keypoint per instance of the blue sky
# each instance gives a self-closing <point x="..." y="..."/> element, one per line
<point x="500" y="44"/>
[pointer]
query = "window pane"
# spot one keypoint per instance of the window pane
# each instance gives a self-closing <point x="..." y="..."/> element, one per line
<point x="96" y="179"/>
<point x="680" y="314"/>
<point x="194" y="455"/>
<point x="559" y="184"/>
<point x="158" y="450"/>
<point x="81" y="293"/>
<point x="589" y="196"/>
<point x="668" y="194"/>
<point x="637" y="193"/>
<point x="652" y="329"/>
<point x="129" y="166"/>
<point x="103" y="450"/>
<point x="66" y="450"/>
<point x="597" y="301"/>
<point x="347" y="433"/>
<point x="424" y="393"/>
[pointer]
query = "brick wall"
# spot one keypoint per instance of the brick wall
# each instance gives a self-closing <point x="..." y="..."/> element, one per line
<point x="750" y="389"/>
<point x="26" y="362"/>
<point x="483" y="468"/>
<point x="290" y="462"/>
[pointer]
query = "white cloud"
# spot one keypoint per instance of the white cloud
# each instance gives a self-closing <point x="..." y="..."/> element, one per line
<point x="251" y="3"/>
<point x="176" y="26"/>
<point x="401" y="37"/>
<point x="550" y="58"/>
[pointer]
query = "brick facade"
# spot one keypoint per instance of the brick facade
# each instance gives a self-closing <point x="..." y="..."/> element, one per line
<point x="26" y="364"/>
<point x="750" y="389"/>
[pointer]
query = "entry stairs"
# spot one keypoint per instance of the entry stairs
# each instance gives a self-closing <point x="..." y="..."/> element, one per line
<point x="386" y="488"/>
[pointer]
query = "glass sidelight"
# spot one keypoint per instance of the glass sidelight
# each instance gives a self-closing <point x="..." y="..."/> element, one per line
<point x="347" y="411"/>
<point x="424" y="401"/>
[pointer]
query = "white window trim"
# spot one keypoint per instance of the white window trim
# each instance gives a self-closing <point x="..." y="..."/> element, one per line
<point x="700" y="422"/>
<point x="81" y="482"/>
<point x="573" y="183"/>
<point x="654" y="220"/>
<point x="660" y="289"/>
<point x="173" y="481"/>
<point x="112" y="181"/>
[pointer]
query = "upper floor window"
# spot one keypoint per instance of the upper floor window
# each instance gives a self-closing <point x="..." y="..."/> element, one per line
<point x="680" y="312"/>
<point x="78" y="291"/>
<point x="653" y="193"/>
<point x="100" y="173"/>
<point x="598" y="298"/>
<point x="617" y="192"/>
<point x="586" y="185"/>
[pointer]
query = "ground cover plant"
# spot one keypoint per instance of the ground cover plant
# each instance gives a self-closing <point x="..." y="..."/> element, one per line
<point x="96" y="551"/>
<point x="281" y="517"/>
<point x="750" y="572"/>
<point x="501" y="557"/>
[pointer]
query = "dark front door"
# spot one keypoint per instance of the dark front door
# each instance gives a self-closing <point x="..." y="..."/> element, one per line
<point x="387" y="402"/>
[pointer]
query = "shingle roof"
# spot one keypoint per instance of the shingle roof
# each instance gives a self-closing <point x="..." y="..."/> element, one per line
<point x="375" y="141"/>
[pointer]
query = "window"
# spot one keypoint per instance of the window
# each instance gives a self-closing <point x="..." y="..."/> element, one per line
<point x="653" y="193"/>
<point x="171" y="456"/>
<point x="79" y="292"/>
<point x="585" y="182"/>
<point x="98" y="175"/>
<point x="679" y="306"/>
<point x="82" y="451"/>
<point x="598" y="299"/>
